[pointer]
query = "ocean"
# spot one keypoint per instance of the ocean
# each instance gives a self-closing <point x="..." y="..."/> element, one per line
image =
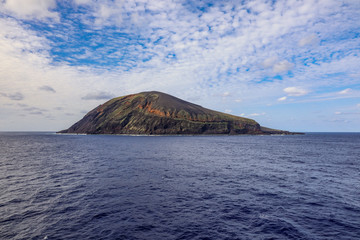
<point x="179" y="187"/>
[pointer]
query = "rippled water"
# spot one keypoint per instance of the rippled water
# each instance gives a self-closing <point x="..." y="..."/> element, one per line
<point x="176" y="187"/>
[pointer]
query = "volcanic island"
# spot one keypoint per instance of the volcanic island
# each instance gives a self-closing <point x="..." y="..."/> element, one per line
<point x="157" y="113"/>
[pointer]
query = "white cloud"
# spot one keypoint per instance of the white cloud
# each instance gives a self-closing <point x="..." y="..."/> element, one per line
<point x="282" y="99"/>
<point x="282" y="66"/>
<point x="226" y="94"/>
<point x="358" y="105"/>
<point x="311" y="39"/>
<point x="80" y="2"/>
<point x="28" y="9"/>
<point x="17" y="41"/>
<point x="269" y="62"/>
<point x="345" y="91"/>
<point x="295" y="91"/>
<point x="109" y="13"/>
<point x="228" y="111"/>
<point x="338" y="113"/>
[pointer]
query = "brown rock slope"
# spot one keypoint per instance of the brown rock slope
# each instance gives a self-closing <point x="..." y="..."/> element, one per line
<point x="159" y="113"/>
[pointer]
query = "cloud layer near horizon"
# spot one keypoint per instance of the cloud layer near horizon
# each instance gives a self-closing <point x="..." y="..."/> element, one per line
<point x="57" y="54"/>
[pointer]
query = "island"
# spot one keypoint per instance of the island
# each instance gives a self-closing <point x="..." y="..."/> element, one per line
<point x="157" y="113"/>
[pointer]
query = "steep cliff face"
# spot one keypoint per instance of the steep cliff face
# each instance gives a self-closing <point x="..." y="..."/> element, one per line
<point x="159" y="113"/>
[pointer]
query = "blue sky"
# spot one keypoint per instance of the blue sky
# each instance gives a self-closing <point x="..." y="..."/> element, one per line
<point x="293" y="65"/>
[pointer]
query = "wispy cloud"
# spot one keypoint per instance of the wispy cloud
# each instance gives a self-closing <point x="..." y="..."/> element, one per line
<point x="31" y="110"/>
<point x="295" y="91"/>
<point x="256" y="114"/>
<point x="269" y="62"/>
<point x="347" y="113"/>
<point x="282" y="66"/>
<point x="226" y="94"/>
<point x="13" y="96"/>
<point x="82" y="2"/>
<point x="47" y="89"/>
<point x="329" y="96"/>
<point x="252" y="114"/>
<point x="310" y="39"/>
<point x="345" y="91"/>
<point x="98" y="96"/>
<point x="282" y="99"/>
<point x="30" y="9"/>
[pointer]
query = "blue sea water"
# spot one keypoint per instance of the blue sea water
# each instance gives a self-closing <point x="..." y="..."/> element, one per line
<point x="179" y="187"/>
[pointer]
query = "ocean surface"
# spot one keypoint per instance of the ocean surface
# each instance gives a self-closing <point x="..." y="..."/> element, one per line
<point x="179" y="187"/>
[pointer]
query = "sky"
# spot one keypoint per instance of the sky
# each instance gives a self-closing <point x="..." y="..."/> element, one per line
<point x="291" y="65"/>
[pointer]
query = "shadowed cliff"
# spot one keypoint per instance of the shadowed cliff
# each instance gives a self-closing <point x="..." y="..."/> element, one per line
<point x="156" y="113"/>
